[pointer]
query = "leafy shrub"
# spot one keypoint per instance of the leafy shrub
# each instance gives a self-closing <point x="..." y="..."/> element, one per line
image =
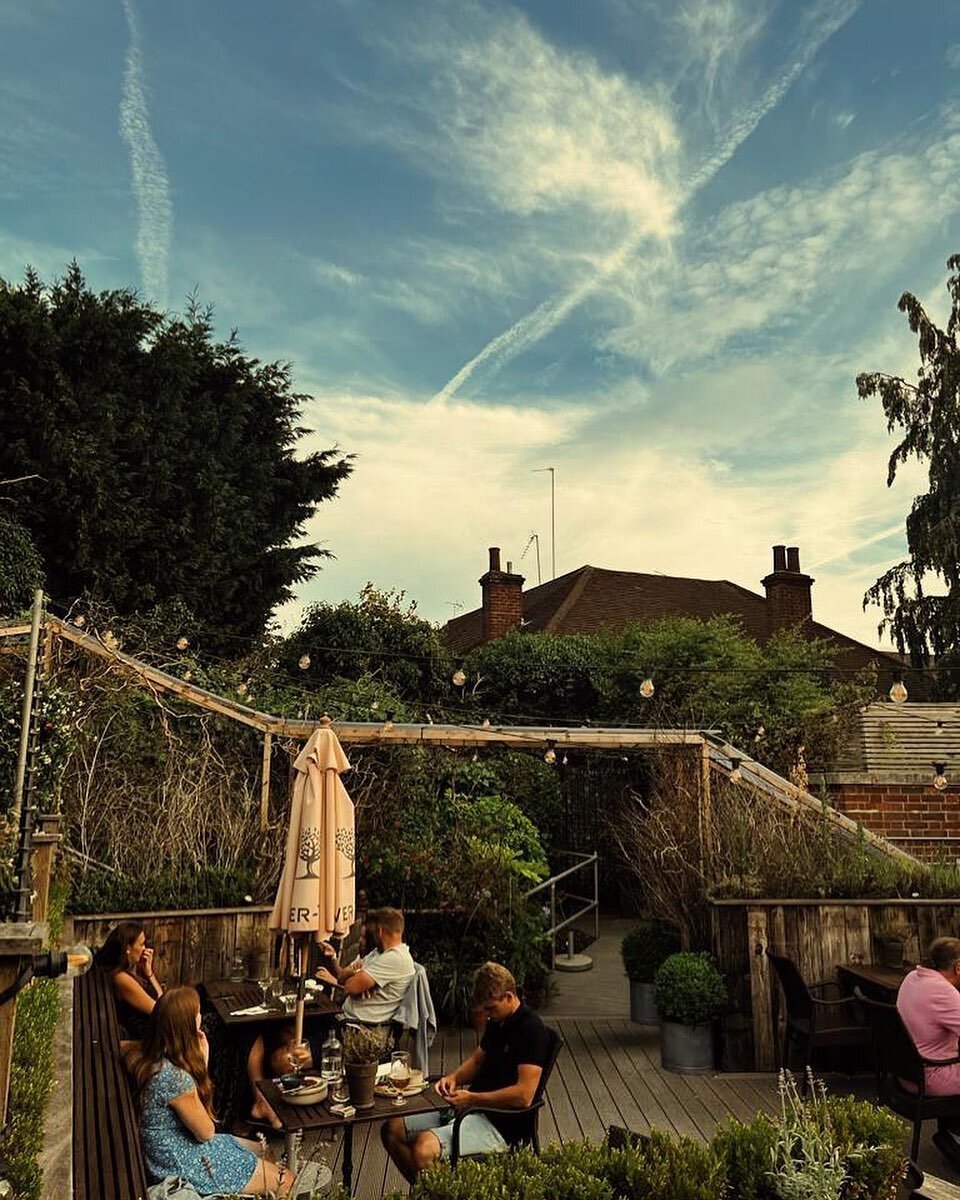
<point x="748" y="1153"/>
<point x="211" y="887"/>
<point x="689" y="989"/>
<point x="31" y="1080"/>
<point x="871" y="1142"/>
<point x="645" y="948"/>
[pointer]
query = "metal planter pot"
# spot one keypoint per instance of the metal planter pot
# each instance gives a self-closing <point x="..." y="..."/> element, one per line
<point x="686" y="1049"/>
<point x="643" y="1006"/>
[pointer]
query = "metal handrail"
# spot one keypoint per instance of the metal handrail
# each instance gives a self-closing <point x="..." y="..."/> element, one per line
<point x="589" y="905"/>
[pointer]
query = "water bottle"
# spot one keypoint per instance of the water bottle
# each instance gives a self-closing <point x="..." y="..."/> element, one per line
<point x="331" y="1057"/>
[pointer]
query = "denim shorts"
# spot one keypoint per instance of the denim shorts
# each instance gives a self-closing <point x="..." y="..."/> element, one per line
<point x="478" y="1134"/>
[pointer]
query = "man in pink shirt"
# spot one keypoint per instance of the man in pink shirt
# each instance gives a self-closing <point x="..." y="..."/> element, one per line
<point x="929" y="1005"/>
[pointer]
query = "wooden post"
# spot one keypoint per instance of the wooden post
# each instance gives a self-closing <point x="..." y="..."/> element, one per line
<point x="706" y="817"/>
<point x="763" y="1031"/>
<point x="265" y="780"/>
<point x="18" y="942"/>
<point x="44" y="843"/>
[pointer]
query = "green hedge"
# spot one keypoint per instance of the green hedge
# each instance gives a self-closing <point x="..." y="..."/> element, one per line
<point x="214" y="887"/>
<point x="31" y="1080"/>
<point x="744" y="1161"/>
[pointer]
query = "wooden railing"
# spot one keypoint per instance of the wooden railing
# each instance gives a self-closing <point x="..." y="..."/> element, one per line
<point x="818" y="935"/>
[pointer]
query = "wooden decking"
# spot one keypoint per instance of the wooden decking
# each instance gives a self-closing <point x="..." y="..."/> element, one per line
<point x="608" y="1074"/>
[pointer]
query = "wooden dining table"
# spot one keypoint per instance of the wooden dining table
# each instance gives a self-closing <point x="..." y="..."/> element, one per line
<point x="229" y="999"/>
<point x="874" y="981"/>
<point x="301" y="1118"/>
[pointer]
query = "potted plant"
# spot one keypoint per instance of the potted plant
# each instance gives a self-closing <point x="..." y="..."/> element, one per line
<point x="690" y="994"/>
<point x="890" y="945"/>
<point x="643" y="950"/>
<point x="362" y="1047"/>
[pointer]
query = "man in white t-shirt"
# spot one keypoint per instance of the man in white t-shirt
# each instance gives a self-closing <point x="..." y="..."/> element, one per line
<point x="373" y="987"/>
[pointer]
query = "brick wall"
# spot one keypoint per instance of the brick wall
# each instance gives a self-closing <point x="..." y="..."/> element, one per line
<point x="918" y="818"/>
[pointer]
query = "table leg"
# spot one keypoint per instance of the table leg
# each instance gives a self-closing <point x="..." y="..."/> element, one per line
<point x="348" y="1156"/>
<point x="291" y="1141"/>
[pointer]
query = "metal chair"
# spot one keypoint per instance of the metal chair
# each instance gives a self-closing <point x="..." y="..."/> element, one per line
<point x="528" y="1132"/>
<point x="899" y="1062"/>
<point x="813" y="1022"/>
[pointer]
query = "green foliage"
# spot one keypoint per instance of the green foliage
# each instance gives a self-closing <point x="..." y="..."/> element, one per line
<point x="927" y="414"/>
<point x="689" y="989"/>
<point x="166" y="459"/>
<point x="645" y="948"/>
<point x="379" y="637"/>
<point x="743" y="1162"/>
<point x="21" y="569"/>
<point x="748" y="1152"/>
<point x="98" y="891"/>
<point x="31" y="1081"/>
<point x="774" y="698"/>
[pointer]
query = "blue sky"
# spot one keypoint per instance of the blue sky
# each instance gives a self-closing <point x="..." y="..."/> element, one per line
<point x="647" y="243"/>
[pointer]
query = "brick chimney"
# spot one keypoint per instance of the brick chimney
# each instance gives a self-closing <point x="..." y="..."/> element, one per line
<point x="788" y="591"/>
<point x="502" y="598"/>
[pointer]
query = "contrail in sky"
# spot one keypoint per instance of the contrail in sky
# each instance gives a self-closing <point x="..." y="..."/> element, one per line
<point x="150" y="185"/>
<point x="547" y="316"/>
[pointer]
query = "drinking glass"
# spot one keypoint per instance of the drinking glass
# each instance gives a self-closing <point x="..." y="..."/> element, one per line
<point x="400" y="1075"/>
<point x="275" y="988"/>
<point x="263" y="983"/>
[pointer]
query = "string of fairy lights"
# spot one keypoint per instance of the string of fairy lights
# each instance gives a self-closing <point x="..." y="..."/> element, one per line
<point x="898" y="692"/>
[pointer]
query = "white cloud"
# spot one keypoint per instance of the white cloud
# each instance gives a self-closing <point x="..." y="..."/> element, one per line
<point x="435" y="484"/>
<point x="150" y="184"/>
<point x="332" y="273"/>
<point x="818" y="25"/>
<point x="772" y="256"/>
<point x="843" y="119"/>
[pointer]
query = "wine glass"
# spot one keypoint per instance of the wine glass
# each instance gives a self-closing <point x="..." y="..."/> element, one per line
<point x="263" y="983"/>
<point x="400" y="1075"/>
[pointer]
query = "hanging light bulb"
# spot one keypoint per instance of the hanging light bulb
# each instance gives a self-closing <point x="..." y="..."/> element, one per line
<point x="304" y="663"/>
<point x="647" y="688"/>
<point x="940" y="778"/>
<point x="80" y="620"/>
<point x="459" y="677"/>
<point x="736" y="775"/>
<point x="564" y="761"/>
<point x="182" y="643"/>
<point x="486" y="722"/>
<point x="898" y="693"/>
<point x="939" y="728"/>
<point x="550" y="756"/>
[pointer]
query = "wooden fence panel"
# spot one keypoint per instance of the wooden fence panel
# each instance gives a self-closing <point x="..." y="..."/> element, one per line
<point x="818" y="936"/>
<point x="190" y="946"/>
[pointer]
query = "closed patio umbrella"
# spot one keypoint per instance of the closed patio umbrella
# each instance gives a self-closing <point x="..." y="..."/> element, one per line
<point x="317" y="892"/>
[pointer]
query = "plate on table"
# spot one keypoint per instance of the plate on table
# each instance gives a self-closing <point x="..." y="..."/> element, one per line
<point x="312" y="1090"/>
<point x="387" y="1089"/>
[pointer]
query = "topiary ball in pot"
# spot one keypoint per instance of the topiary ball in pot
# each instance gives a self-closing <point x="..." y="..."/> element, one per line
<point x="690" y="994"/>
<point x="643" y="950"/>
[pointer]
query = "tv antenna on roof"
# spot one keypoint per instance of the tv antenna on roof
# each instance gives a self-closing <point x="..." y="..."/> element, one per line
<point x="534" y="537"/>
<point x="553" y="516"/>
<point x="456" y="605"/>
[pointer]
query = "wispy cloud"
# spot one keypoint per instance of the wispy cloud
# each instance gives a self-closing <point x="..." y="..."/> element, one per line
<point x="150" y="184"/>
<point x="819" y="25"/>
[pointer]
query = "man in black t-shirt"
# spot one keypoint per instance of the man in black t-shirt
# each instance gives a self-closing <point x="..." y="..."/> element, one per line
<point x="502" y="1073"/>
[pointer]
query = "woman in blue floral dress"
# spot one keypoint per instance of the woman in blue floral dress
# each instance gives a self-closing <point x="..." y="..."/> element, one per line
<point x="177" y="1129"/>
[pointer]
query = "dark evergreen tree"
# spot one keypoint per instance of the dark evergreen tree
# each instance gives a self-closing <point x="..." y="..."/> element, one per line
<point x="928" y="415"/>
<point x="165" y="458"/>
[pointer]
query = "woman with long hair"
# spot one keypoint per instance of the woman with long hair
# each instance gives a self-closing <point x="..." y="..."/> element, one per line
<point x="128" y="961"/>
<point x="169" y="1068"/>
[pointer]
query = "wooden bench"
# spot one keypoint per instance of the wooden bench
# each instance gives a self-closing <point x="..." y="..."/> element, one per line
<point x="107" y="1158"/>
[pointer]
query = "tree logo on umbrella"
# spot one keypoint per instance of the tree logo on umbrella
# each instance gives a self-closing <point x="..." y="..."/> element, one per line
<point x="311" y="847"/>
<point x="347" y="845"/>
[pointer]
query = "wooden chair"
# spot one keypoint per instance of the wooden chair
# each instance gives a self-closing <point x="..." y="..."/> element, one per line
<point x="528" y="1134"/>
<point x="898" y="1062"/>
<point x="813" y="1022"/>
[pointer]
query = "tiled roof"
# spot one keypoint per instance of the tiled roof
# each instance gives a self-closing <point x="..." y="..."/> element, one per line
<point x="897" y="743"/>
<point x="592" y="598"/>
